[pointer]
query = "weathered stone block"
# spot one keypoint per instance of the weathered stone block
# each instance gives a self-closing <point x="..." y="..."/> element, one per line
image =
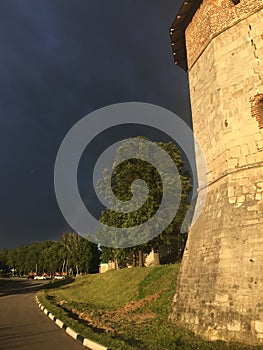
<point x="259" y="326"/>
<point x="234" y="326"/>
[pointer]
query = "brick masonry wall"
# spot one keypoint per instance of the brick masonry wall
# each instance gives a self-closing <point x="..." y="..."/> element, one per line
<point x="220" y="285"/>
<point x="217" y="16"/>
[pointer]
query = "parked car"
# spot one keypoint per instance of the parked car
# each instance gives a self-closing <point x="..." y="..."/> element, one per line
<point x="39" y="278"/>
<point x="59" y="277"/>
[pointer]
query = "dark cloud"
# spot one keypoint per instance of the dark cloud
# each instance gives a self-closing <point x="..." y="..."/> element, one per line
<point x="59" y="61"/>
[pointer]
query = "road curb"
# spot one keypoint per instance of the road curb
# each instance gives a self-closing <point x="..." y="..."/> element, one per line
<point x="90" y="344"/>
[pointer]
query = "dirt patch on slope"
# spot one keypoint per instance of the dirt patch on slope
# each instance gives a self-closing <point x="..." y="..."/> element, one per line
<point x="109" y="321"/>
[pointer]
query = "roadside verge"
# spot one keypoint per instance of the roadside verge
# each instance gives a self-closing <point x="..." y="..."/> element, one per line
<point x="84" y="341"/>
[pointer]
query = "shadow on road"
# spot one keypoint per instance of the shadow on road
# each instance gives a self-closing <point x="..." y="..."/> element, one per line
<point x="20" y="286"/>
<point x="24" y="286"/>
<point x="58" y="284"/>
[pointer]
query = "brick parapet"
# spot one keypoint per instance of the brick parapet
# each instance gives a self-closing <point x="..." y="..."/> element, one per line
<point x="212" y="18"/>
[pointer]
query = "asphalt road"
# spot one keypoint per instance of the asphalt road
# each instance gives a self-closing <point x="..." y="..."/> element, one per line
<point x="23" y="325"/>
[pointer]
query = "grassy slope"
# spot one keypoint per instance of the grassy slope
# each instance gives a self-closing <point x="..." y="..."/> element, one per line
<point x="125" y="309"/>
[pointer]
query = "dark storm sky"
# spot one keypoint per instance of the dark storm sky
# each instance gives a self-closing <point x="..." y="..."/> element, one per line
<point x="60" y="60"/>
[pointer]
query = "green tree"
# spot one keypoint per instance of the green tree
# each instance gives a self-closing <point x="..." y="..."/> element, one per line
<point x="79" y="254"/>
<point x="3" y="261"/>
<point x="123" y="176"/>
<point x="71" y="254"/>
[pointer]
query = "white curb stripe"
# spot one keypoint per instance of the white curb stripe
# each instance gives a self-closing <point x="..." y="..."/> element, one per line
<point x="59" y="323"/>
<point x="85" y="341"/>
<point x="52" y="317"/>
<point x="72" y="333"/>
<point x="92" y="345"/>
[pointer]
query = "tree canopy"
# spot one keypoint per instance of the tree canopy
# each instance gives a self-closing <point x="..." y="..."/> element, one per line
<point x="122" y="179"/>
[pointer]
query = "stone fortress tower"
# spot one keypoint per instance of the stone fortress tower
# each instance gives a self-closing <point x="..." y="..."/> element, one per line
<point x="220" y="286"/>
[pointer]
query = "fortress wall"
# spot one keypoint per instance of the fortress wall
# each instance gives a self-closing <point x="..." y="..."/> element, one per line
<point x="220" y="285"/>
<point x="222" y="83"/>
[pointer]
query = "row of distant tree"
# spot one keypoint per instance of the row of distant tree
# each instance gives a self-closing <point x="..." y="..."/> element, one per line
<point x="71" y="254"/>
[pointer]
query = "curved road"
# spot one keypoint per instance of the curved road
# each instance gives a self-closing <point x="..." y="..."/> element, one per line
<point x="23" y="325"/>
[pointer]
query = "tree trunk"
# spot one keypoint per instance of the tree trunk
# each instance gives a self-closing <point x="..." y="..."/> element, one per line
<point x="141" y="258"/>
<point x="64" y="262"/>
<point x="156" y="259"/>
<point x="134" y="261"/>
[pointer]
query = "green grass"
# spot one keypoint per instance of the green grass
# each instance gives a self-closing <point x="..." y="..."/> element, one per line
<point x="125" y="310"/>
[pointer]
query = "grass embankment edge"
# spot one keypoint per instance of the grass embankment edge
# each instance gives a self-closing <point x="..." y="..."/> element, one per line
<point x="104" y="308"/>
